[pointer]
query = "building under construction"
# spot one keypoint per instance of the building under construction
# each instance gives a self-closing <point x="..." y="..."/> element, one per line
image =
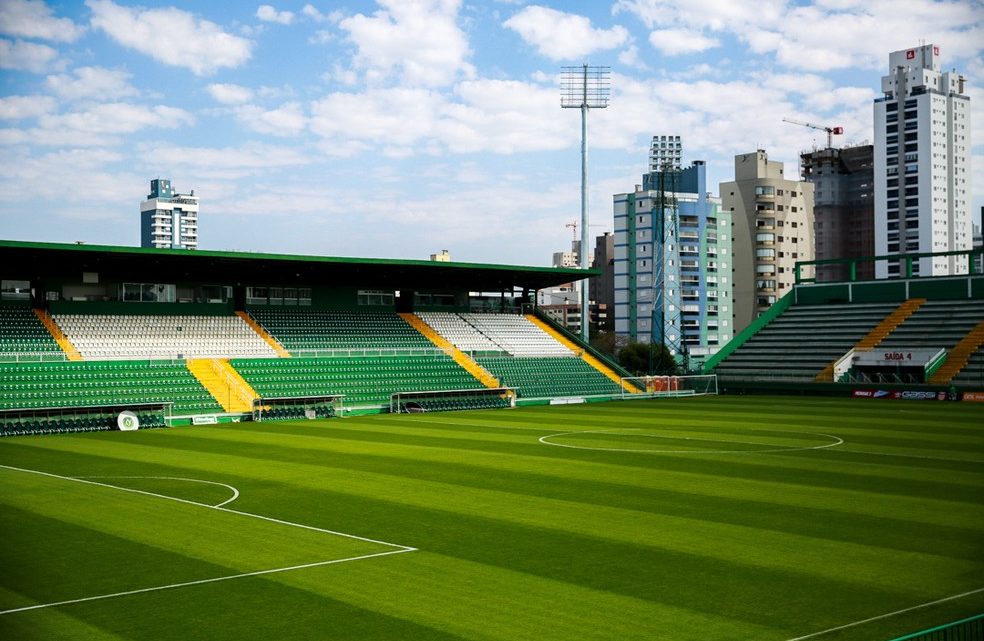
<point x="844" y="209"/>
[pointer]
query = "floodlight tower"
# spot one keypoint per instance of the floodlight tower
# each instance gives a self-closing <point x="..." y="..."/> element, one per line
<point x="584" y="88"/>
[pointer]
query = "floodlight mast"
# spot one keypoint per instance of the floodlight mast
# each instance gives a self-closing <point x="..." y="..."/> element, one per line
<point x="584" y="87"/>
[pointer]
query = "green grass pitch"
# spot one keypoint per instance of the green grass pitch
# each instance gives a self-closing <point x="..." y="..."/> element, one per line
<point x="710" y="518"/>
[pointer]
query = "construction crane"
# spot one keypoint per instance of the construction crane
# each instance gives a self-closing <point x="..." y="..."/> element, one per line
<point x="573" y="227"/>
<point x="831" y="131"/>
<point x="574" y="224"/>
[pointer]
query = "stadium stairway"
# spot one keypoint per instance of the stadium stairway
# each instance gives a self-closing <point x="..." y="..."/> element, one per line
<point x="959" y="356"/>
<point x="879" y="333"/>
<point x="585" y="356"/>
<point x="71" y="353"/>
<point x="265" y="335"/>
<point x="459" y="357"/>
<point x="223" y="382"/>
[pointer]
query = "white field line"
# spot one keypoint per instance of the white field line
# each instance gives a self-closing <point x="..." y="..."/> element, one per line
<point x="157" y="588"/>
<point x="405" y="548"/>
<point x="400" y="549"/>
<point x="235" y="492"/>
<point x="835" y="442"/>
<point x="890" y="614"/>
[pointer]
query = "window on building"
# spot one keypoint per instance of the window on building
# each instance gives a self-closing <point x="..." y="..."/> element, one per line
<point x="375" y="297"/>
<point x="15" y="290"/>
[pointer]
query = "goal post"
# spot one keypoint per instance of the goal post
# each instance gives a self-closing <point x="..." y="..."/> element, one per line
<point x="636" y="387"/>
<point x="448" y="400"/>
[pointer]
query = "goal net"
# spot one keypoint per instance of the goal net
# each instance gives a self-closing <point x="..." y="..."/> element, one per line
<point x="660" y="386"/>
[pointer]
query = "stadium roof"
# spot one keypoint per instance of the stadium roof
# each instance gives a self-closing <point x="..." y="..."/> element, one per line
<point x="139" y="264"/>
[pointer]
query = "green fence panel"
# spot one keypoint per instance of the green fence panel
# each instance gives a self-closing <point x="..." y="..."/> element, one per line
<point x="970" y="629"/>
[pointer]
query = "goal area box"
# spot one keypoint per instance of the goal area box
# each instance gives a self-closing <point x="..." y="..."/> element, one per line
<point x="637" y="387"/>
<point x="448" y="400"/>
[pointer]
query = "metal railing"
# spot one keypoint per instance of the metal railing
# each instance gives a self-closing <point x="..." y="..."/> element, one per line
<point x="33" y="357"/>
<point x="906" y="259"/>
<point x="963" y="630"/>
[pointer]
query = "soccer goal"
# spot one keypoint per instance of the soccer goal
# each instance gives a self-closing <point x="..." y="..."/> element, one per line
<point x="653" y="386"/>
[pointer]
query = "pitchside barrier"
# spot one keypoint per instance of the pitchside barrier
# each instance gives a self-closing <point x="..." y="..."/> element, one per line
<point x="661" y="386"/>
<point x="963" y="630"/>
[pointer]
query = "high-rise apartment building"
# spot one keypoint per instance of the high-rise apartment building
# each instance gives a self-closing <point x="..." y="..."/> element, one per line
<point x="672" y="264"/>
<point x="772" y="229"/>
<point x="168" y="220"/>
<point x="665" y="152"/>
<point x="922" y="164"/>
<point x="601" y="289"/>
<point x="843" y="208"/>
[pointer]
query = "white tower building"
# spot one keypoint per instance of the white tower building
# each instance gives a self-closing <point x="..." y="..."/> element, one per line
<point x="922" y="165"/>
<point x="168" y="220"/>
<point x="665" y="152"/>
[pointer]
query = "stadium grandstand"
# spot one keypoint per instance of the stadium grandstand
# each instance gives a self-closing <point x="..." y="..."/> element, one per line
<point x="922" y="337"/>
<point x="90" y="333"/>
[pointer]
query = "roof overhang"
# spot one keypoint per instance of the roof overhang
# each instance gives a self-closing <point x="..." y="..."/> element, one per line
<point x="56" y="260"/>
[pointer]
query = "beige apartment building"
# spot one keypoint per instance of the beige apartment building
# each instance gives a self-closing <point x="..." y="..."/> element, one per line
<point x="772" y="229"/>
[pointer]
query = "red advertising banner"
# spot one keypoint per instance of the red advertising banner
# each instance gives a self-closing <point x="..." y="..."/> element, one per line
<point x="973" y="397"/>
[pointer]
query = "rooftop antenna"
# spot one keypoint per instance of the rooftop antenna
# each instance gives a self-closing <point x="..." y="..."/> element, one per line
<point x="584" y="87"/>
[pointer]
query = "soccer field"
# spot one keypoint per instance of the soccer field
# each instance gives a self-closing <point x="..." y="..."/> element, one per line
<point x="706" y="518"/>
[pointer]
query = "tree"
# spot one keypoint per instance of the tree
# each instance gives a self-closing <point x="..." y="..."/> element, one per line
<point x="645" y="358"/>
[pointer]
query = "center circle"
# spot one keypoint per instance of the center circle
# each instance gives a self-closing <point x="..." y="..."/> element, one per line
<point x="632" y="439"/>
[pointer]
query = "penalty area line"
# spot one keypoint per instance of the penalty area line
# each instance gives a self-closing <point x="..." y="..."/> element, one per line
<point x="890" y="614"/>
<point x="158" y="588"/>
<point x="404" y="548"/>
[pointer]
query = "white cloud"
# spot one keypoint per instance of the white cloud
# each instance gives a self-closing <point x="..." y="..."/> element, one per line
<point x="381" y="118"/>
<point x="716" y="15"/>
<point x="676" y="42"/>
<point x="312" y="12"/>
<point x="27" y="56"/>
<point x="826" y="35"/>
<point x="92" y="82"/>
<point x="85" y="168"/>
<point x="499" y="116"/>
<point x="630" y="58"/>
<point x="195" y="44"/>
<point x="119" y="118"/>
<point x="267" y="13"/>
<point x="99" y="125"/>
<point x="286" y="120"/>
<point x="221" y="162"/>
<point x="322" y="37"/>
<point x="230" y="94"/>
<point x="419" y="42"/>
<point x="563" y="36"/>
<point x="34" y="19"/>
<point x="19" y="107"/>
<point x="505" y="116"/>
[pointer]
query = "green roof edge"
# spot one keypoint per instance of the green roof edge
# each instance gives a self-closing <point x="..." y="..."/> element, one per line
<point x="208" y="253"/>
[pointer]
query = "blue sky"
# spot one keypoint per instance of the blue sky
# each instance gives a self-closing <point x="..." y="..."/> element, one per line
<point x="398" y="128"/>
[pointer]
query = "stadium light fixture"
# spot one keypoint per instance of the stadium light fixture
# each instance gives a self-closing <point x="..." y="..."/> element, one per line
<point x="584" y="87"/>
